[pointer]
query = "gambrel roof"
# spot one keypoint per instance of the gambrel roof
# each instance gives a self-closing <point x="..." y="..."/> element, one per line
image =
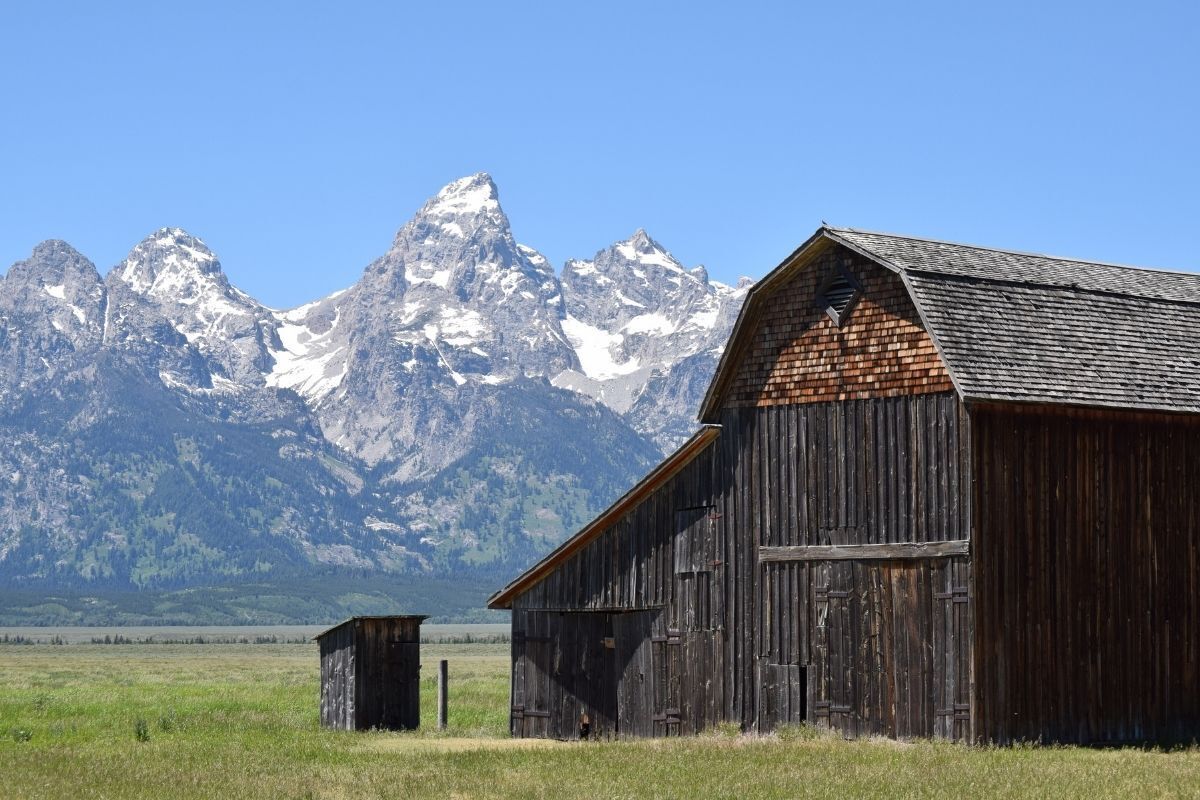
<point x="1019" y="327"/>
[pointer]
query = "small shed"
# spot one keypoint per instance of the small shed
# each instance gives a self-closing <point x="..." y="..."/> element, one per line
<point x="371" y="672"/>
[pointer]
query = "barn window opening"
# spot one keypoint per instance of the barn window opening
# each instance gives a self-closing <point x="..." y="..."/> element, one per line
<point x="838" y="295"/>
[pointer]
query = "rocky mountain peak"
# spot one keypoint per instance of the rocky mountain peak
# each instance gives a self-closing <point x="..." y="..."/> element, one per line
<point x="179" y="277"/>
<point x="52" y="308"/>
<point x="470" y="196"/>
<point x="54" y="263"/>
<point x="641" y="247"/>
<point x="170" y="260"/>
<point x="57" y="280"/>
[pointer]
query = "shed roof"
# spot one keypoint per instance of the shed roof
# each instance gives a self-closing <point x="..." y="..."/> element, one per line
<point x="670" y="466"/>
<point x="1022" y="327"/>
<point x="418" y="617"/>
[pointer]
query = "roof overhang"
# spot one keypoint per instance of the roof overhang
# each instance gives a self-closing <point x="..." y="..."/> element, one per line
<point x="670" y="466"/>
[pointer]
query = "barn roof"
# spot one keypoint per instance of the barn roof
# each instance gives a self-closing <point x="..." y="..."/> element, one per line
<point x="1021" y="327"/>
<point x="671" y="466"/>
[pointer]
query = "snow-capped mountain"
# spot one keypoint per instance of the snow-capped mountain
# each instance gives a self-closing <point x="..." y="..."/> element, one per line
<point x="399" y="365"/>
<point x="633" y="313"/>
<point x="182" y="280"/>
<point x="459" y="404"/>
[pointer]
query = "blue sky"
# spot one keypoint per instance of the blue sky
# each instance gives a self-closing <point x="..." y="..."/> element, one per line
<point x="295" y="138"/>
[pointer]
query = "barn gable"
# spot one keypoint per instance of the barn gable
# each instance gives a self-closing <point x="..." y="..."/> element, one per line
<point x="1008" y="326"/>
<point x="798" y="352"/>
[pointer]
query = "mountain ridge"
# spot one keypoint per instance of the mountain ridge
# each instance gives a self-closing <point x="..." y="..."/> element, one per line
<point x="461" y="404"/>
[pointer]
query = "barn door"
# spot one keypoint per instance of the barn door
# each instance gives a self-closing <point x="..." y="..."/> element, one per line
<point x="529" y="715"/>
<point x="831" y="676"/>
<point x="951" y="638"/>
<point x="647" y="675"/>
<point x="666" y="657"/>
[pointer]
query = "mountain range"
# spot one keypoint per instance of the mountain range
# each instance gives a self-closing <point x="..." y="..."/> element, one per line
<point x="458" y="410"/>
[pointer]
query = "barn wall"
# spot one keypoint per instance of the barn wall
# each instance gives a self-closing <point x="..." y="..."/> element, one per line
<point x="857" y="472"/>
<point x="1087" y="576"/>
<point x="737" y="632"/>
<point x="799" y="355"/>
<point x="867" y="646"/>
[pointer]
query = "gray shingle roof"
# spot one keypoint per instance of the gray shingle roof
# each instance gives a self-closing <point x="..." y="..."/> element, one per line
<point x="1030" y="328"/>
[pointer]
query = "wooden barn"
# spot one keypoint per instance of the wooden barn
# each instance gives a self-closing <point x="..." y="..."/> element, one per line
<point x="371" y="673"/>
<point x="939" y="491"/>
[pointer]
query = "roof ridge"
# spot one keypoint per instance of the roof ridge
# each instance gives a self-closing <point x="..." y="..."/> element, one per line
<point x="1007" y="281"/>
<point x="1027" y="253"/>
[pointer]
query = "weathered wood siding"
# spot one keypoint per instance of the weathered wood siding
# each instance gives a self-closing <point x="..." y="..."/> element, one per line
<point x="733" y="635"/>
<point x="389" y="674"/>
<point x="338" y="665"/>
<point x="865" y="645"/>
<point x="659" y="574"/>
<point x="858" y="472"/>
<point x="1087" y="576"/>
<point x="798" y="354"/>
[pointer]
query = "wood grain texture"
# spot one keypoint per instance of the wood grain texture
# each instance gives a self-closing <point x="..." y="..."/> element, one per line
<point x="1087" y="584"/>
<point x="873" y="552"/>
<point x="711" y="554"/>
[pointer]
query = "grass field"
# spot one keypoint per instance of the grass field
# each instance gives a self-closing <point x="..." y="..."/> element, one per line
<point x="233" y="721"/>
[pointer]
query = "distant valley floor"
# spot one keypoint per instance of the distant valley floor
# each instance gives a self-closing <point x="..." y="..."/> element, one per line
<point x="310" y="600"/>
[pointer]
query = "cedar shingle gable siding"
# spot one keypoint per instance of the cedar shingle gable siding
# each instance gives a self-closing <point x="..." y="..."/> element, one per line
<point x="800" y="355"/>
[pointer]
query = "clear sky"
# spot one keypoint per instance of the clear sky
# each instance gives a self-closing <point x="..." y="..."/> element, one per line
<point x="295" y="138"/>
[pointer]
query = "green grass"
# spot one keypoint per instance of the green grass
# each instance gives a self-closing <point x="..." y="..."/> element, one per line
<point x="231" y="721"/>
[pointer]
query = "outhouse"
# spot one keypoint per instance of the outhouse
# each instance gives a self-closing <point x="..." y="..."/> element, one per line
<point x="371" y="673"/>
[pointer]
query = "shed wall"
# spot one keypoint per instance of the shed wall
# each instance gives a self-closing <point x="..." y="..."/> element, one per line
<point x="338" y="666"/>
<point x="388" y="680"/>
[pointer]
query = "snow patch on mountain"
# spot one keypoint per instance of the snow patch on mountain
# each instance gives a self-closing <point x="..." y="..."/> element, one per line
<point x="309" y="362"/>
<point x="595" y="347"/>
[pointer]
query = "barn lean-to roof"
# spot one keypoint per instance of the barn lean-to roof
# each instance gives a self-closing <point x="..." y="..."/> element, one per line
<point x="669" y="467"/>
<point x="1021" y="327"/>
